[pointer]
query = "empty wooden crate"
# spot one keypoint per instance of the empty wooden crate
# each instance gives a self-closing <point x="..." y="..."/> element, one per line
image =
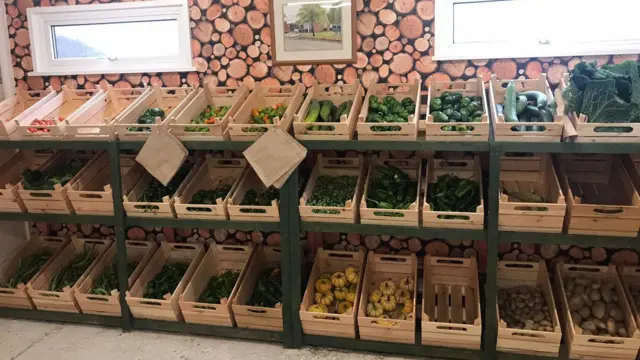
<point x="451" y="303"/>
<point x="25" y="265"/>
<point x="21" y="104"/>
<point x="530" y="195"/>
<point x="264" y="266"/>
<point x="402" y="270"/>
<point x="218" y="260"/>
<point x="166" y="308"/>
<point x="522" y="278"/>
<point x="250" y="182"/>
<point x="92" y="299"/>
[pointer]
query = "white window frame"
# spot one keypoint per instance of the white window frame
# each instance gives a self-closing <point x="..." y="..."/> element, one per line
<point x="42" y="19"/>
<point x="446" y="49"/>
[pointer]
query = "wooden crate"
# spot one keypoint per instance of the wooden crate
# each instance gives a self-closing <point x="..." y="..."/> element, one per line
<point x="551" y="132"/>
<point x="541" y="343"/>
<point x="524" y="174"/>
<point x="408" y="217"/>
<point x="217" y="260"/>
<point x="21" y="104"/>
<point x="380" y="268"/>
<point x="10" y="177"/>
<point x="168" y="308"/>
<point x="240" y="129"/>
<point x="338" y="94"/>
<point x="593" y="347"/>
<point x="257" y="317"/>
<point x="109" y="305"/>
<point x="64" y="300"/>
<point x="171" y="100"/>
<point x="64" y="106"/>
<point x="339" y="325"/>
<point x="333" y="167"/>
<point x="54" y="201"/>
<point x="477" y="131"/>
<point x="451" y="303"/>
<point x="250" y="180"/>
<point x="95" y="119"/>
<point x="214" y="96"/>
<point x="19" y="297"/>
<point x="212" y="173"/>
<point x="397" y="131"/>
<point x="630" y="278"/>
<point x="600" y="177"/>
<point x="39" y="156"/>
<point x="463" y="168"/>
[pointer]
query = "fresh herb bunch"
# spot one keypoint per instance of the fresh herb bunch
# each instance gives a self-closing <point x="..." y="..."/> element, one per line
<point x="108" y="281"/>
<point x="71" y="273"/>
<point x="166" y="281"/>
<point x="332" y="191"/>
<point x="268" y="289"/>
<point x="219" y="287"/>
<point x="452" y="193"/>
<point x="61" y="174"/>
<point x="393" y="189"/>
<point x="156" y="191"/>
<point x="389" y="110"/>
<point x="210" y="115"/>
<point x="263" y="198"/>
<point x="454" y="107"/>
<point x="148" y="117"/>
<point x="208" y="197"/>
<point x="27" y="269"/>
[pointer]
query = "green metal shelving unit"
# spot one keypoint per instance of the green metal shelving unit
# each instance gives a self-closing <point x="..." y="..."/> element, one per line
<point x="290" y="228"/>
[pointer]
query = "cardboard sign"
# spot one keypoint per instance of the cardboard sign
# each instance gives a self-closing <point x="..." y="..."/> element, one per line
<point x="274" y="156"/>
<point x="162" y="155"/>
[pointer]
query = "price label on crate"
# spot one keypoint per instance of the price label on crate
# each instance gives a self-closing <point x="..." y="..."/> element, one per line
<point x="162" y="155"/>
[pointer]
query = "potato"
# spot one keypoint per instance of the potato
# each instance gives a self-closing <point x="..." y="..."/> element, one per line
<point x="576" y="318"/>
<point x="617" y="314"/>
<point x="584" y="312"/>
<point x="589" y="326"/>
<point x="594" y="295"/>
<point x="578" y="290"/>
<point x="576" y="302"/>
<point x="606" y="295"/>
<point x="569" y="285"/>
<point x="611" y="327"/>
<point x="622" y="332"/>
<point x="601" y="325"/>
<point x="582" y="280"/>
<point x="598" y="309"/>
<point x="523" y="307"/>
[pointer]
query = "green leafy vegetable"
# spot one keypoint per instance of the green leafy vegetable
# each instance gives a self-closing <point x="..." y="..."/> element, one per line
<point x="393" y="189"/>
<point x="332" y="191"/>
<point x="108" y="281"/>
<point x="166" y="281"/>
<point x="156" y="191"/>
<point x="263" y="198"/>
<point x="28" y="267"/>
<point x="208" y="197"/>
<point x="219" y="287"/>
<point x="61" y="174"/>
<point x="147" y="118"/>
<point x="452" y="193"/>
<point x="268" y="289"/>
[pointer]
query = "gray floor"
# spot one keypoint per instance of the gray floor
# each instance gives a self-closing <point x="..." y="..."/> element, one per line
<point x="28" y="340"/>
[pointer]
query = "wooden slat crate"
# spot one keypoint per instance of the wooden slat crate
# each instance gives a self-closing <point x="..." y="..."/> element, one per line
<point x="10" y="177"/>
<point x="476" y="131"/>
<point x="601" y="198"/>
<point x="393" y="131"/>
<point x="623" y="132"/>
<point x="109" y="305"/>
<point x="40" y="156"/>
<point x="95" y="119"/>
<point x="250" y="180"/>
<point x="217" y="260"/>
<point x="400" y="217"/>
<point x="64" y="300"/>
<point x="630" y="278"/>
<point x="64" y="106"/>
<point x="380" y="268"/>
<point x="54" y="201"/>
<point x="171" y="100"/>
<point x="463" y="168"/>
<point x="330" y="324"/>
<point x="211" y="174"/>
<point x="21" y="104"/>
<point x="168" y="308"/>
<point x="594" y="347"/>
<point x="181" y="126"/>
<point x="550" y="132"/>
<point x="525" y="174"/>
<point x="451" y="303"/>
<point x="18" y="297"/>
<point x="333" y="167"/>
<point x="257" y="317"/>
<point x="513" y="274"/>
<point x="241" y="129"/>
<point x="338" y="94"/>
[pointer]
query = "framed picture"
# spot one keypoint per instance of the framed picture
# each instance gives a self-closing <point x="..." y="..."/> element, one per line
<point x="313" y="32"/>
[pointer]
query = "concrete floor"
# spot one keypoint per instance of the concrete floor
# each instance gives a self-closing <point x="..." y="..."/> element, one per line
<point x="29" y="340"/>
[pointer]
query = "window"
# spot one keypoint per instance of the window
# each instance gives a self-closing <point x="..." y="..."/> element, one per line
<point x="480" y="29"/>
<point x="150" y="36"/>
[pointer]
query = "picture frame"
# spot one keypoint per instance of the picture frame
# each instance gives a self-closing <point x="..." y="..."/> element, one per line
<point x="311" y="33"/>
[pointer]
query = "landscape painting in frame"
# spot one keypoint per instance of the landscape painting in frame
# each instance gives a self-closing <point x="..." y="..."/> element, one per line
<point x="313" y="31"/>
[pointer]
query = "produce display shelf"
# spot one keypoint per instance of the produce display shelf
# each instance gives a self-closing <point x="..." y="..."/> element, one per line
<point x="565" y="239"/>
<point x="569" y="147"/>
<point x="207" y="330"/>
<point x="55" y="316"/>
<point x="396" y="145"/>
<point x="54" y="144"/>
<point x="369" y="229"/>
<point x="195" y="145"/>
<point x="202" y="223"/>
<point x="62" y="218"/>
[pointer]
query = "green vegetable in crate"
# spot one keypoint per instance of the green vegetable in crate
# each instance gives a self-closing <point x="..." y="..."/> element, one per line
<point x="524" y="107"/>
<point x="61" y="174"/>
<point x="265" y="116"/>
<point x="208" y="197"/>
<point x="268" y="289"/>
<point x="389" y="110"/>
<point x="314" y="112"/>
<point x="263" y="198"/>
<point x="209" y="116"/>
<point x="454" y="194"/>
<point x="28" y="267"/>
<point x="525" y="196"/>
<point x="156" y="191"/>
<point x="455" y="107"/>
<point x="392" y="189"/>
<point x="108" y="281"/>
<point x="71" y="273"/>
<point x="147" y="118"/>
<point x="326" y="111"/>
<point x="219" y="287"/>
<point x="332" y="191"/>
<point x="166" y="281"/>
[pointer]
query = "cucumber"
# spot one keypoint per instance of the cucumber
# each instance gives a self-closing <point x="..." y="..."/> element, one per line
<point x="539" y="98"/>
<point x="341" y="109"/>
<point x="521" y="103"/>
<point x="325" y="111"/>
<point x="546" y="115"/>
<point x="313" y="113"/>
<point x="510" y="111"/>
<point x="347" y="109"/>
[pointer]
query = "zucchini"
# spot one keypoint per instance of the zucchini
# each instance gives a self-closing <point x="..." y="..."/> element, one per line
<point x="536" y="96"/>
<point x="510" y="111"/>
<point x="546" y="115"/>
<point x="313" y="113"/>
<point x="521" y="103"/>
